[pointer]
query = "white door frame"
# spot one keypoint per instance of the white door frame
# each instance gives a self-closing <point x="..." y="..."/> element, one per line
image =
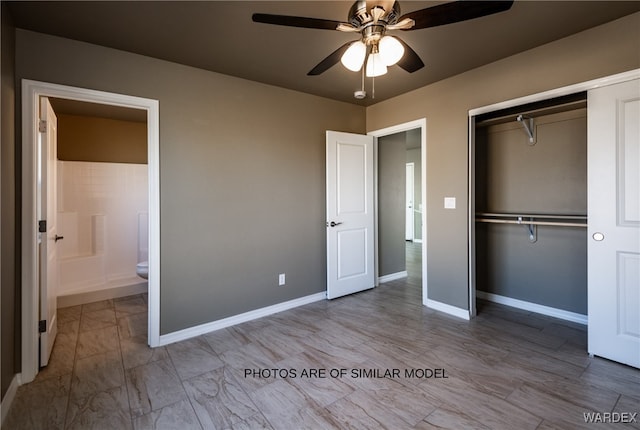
<point x="31" y="93"/>
<point x="546" y="95"/>
<point x="409" y="216"/>
<point x="407" y="126"/>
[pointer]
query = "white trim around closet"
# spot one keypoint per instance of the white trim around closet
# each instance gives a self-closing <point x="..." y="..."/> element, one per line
<point x="558" y="92"/>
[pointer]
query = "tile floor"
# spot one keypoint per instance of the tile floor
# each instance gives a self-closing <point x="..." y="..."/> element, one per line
<point x="506" y="369"/>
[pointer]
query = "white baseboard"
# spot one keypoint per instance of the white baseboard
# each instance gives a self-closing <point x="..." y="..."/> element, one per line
<point x="81" y="298"/>
<point x="533" y="307"/>
<point x="448" y="309"/>
<point x="7" y="400"/>
<point x="392" y="277"/>
<point x="190" y="332"/>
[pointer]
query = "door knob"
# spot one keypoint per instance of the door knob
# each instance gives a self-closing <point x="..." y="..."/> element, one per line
<point x="598" y="237"/>
<point x="57" y="238"/>
<point x="333" y="223"/>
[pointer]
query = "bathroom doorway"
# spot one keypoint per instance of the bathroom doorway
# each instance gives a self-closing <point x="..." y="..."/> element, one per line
<point x="32" y="283"/>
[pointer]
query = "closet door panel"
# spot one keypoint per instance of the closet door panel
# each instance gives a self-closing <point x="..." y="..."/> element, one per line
<point x="614" y="222"/>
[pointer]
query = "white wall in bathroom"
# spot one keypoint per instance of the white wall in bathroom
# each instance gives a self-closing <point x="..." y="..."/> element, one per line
<point x="103" y="217"/>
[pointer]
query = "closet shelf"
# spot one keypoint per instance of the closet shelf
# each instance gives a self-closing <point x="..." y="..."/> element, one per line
<point x="531" y="219"/>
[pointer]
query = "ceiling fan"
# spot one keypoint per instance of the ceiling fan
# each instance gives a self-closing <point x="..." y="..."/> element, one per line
<point x="373" y="19"/>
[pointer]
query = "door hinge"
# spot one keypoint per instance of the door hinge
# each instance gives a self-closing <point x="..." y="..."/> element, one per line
<point x="42" y="226"/>
<point x="42" y="126"/>
<point x="42" y="326"/>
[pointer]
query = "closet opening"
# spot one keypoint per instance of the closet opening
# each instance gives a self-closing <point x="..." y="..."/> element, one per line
<point x="528" y="207"/>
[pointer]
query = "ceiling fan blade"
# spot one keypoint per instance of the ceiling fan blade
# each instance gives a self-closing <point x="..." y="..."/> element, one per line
<point x="296" y="21"/>
<point x="410" y="61"/>
<point x="457" y="11"/>
<point x="330" y="61"/>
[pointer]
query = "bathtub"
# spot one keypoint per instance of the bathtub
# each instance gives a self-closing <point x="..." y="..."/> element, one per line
<point x="87" y="273"/>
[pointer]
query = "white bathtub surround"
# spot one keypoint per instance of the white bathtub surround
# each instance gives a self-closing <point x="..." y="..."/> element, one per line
<point x="103" y="218"/>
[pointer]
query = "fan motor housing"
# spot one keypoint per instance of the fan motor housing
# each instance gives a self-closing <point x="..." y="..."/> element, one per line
<point x="359" y="14"/>
<point x="372" y="33"/>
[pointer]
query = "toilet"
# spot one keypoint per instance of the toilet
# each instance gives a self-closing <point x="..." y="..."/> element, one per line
<point x="142" y="269"/>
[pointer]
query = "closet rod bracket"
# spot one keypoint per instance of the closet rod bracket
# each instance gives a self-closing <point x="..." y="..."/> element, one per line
<point x="531" y="228"/>
<point x="533" y="233"/>
<point x="529" y="128"/>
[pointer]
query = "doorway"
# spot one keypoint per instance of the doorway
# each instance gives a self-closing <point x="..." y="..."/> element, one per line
<point x="32" y="92"/>
<point x="413" y="251"/>
<point x="531" y="206"/>
<point x="102" y="193"/>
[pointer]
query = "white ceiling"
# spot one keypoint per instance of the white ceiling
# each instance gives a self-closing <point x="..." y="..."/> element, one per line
<point x="220" y="36"/>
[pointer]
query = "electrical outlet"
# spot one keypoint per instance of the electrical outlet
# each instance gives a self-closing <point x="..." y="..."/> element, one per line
<point x="281" y="279"/>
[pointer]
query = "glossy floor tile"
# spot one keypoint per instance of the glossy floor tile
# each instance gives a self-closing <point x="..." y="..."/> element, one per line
<point x="374" y="360"/>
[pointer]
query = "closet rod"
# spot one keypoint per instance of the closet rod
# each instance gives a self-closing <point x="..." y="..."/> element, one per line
<point x="543" y="216"/>
<point x="525" y="222"/>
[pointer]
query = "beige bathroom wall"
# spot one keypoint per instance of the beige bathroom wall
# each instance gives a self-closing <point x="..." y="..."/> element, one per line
<point x="87" y="138"/>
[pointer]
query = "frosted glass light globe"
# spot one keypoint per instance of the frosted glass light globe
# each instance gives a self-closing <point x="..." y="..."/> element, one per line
<point x="391" y="50"/>
<point x="375" y="66"/>
<point x="353" y="57"/>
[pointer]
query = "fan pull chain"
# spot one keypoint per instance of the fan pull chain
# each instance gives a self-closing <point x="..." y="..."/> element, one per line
<point x="373" y="87"/>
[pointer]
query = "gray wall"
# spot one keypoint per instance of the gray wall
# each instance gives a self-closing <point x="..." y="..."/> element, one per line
<point x="391" y="200"/>
<point x="608" y="49"/>
<point x="9" y="223"/>
<point x="549" y="177"/>
<point x="551" y="272"/>
<point x="242" y="176"/>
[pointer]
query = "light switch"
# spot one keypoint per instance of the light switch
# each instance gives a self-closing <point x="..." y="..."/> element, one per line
<point x="449" y="202"/>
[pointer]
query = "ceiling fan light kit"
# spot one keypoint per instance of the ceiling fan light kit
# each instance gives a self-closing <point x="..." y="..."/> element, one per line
<point x="376" y="50"/>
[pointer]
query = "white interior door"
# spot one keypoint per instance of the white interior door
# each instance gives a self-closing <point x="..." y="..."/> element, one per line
<point x="48" y="232"/>
<point x="614" y="222"/>
<point x="409" y="190"/>
<point x="350" y="214"/>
